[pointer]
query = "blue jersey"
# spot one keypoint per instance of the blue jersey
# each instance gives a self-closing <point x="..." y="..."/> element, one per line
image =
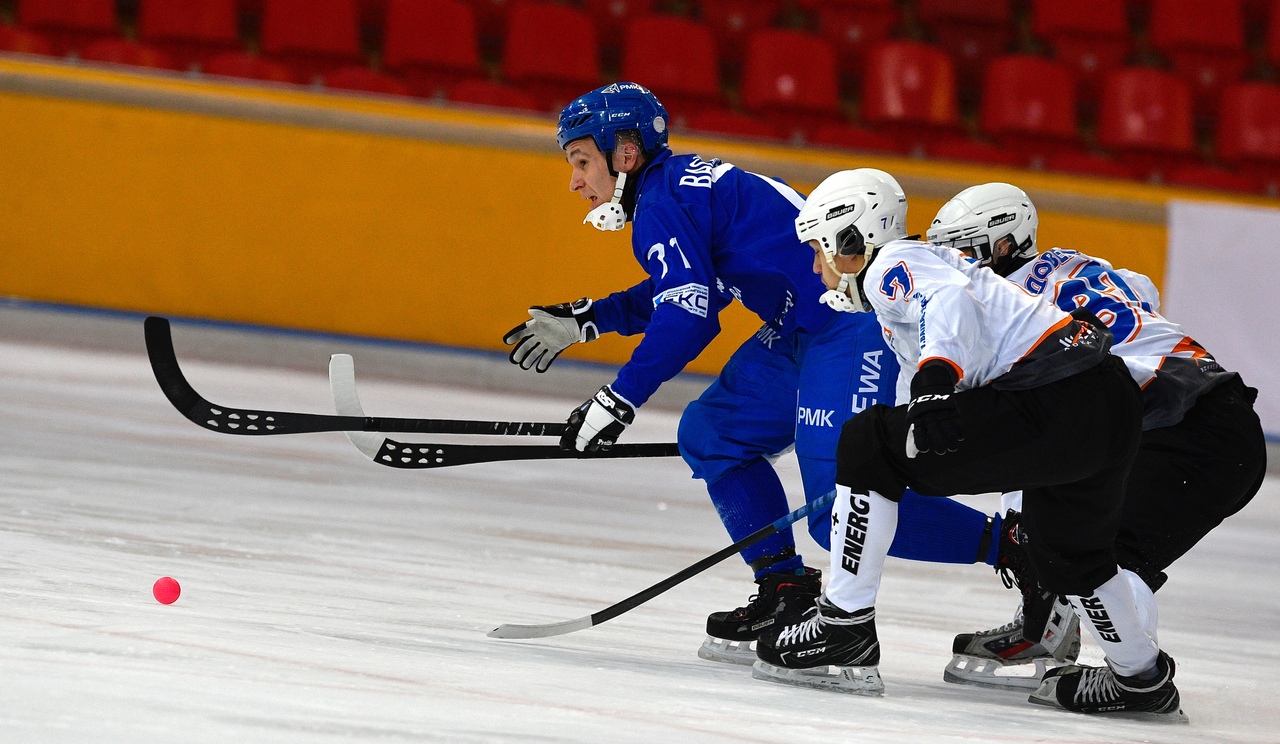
<point x="708" y="233"/>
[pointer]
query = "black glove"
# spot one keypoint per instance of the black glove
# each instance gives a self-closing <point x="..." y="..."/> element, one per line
<point x="550" y="330"/>
<point x="597" y="424"/>
<point x="932" y="415"/>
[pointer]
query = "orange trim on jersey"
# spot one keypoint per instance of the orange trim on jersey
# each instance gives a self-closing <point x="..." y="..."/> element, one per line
<point x="1056" y="327"/>
<point x="1189" y="344"/>
<point x="959" y="372"/>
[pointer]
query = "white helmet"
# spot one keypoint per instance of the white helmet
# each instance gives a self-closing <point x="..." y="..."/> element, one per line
<point x="996" y="221"/>
<point x="852" y="213"/>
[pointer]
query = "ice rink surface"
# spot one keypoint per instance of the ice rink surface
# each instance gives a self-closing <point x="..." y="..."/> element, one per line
<point x="326" y="598"/>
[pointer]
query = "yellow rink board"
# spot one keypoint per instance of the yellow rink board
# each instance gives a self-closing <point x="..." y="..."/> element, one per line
<point x="441" y="226"/>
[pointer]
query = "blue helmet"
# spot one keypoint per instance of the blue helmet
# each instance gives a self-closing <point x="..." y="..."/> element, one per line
<point x="618" y="107"/>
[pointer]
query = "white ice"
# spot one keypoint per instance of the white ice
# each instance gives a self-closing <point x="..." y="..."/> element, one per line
<point x="326" y="598"/>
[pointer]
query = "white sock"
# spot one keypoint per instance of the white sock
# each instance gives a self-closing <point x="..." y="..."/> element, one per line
<point x="1112" y="616"/>
<point x="862" y="528"/>
<point x="1145" y="599"/>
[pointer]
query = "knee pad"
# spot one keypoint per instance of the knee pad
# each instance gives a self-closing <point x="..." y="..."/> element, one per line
<point x="860" y="456"/>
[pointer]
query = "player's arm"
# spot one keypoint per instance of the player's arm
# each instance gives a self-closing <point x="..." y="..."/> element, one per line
<point x="684" y="319"/>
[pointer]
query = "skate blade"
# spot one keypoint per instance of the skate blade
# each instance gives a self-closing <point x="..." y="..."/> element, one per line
<point x="1047" y="695"/>
<point x="990" y="673"/>
<point x="849" y="680"/>
<point x="728" y="652"/>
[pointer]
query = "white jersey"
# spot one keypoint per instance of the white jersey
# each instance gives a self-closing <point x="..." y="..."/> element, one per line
<point x="1170" y="367"/>
<point x="933" y="303"/>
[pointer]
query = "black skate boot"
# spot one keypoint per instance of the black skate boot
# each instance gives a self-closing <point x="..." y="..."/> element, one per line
<point x="830" y="649"/>
<point x="1003" y="658"/>
<point x="1082" y="689"/>
<point x="730" y="634"/>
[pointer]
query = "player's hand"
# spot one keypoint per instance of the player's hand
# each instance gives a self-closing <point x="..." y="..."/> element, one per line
<point x="934" y="421"/>
<point x="597" y="424"/>
<point x="550" y="330"/>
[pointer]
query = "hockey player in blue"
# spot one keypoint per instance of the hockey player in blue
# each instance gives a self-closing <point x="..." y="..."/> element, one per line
<point x="708" y="233"/>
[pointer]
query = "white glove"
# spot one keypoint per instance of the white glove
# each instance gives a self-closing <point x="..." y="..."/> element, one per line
<point x="597" y="424"/>
<point x="551" y="330"/>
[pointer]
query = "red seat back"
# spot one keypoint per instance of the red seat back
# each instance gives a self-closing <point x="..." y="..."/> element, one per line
<point x="432" y="44"/>
<point x="69" y="24"/>
<point x="1204" y="43"/>
<point x="1145" y="109"/>
<point x="910" y="87"/>
<point x="552" y="52"/>
<point x="790" y="71"/>
<point x="190" y="31"/>
<point x="1249" y="123"/>
<point x="311" y="36"/>
<point x="1029" y="105"/>
<point x="676" y="59"/>
<point x="1198" y="175"/>
<point x="1051" y="19"/>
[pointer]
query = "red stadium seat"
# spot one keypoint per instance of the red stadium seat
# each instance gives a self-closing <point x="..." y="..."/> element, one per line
<point x="732" y="21"/>
<point x="853" y="27"/>
<point x="551" y="53"/>
<point x="612" y="17"/>
<point x="723" y="121"/>
<point x="69" y="24"/>
<point x="311" y="36"/>
<point x="1249" y="130"/>
<point x="1146" y="119"/>
<point x="973" y="151"/>
<point x="790" y="78"/>
<point x="124" y="52"/>
<point x="1204" y="43"/>
<point x="676" y="59"/>
<point x="366" y="81"/>
<point x="1198" y="175"/>
<point x="189" y="31"/>
<point x="241" y="65"/>
<point x="431" y="44"/>
<point x="847" y="137"/>
<point x="1029" y="105"/>
<point x="1089" y="36"/>
<point x="373" y="12"/>
<point x="485" y="93"/>
<point x="23" y="41"/>
<point x="1088" y="164"/>
<point x="909" y="90"/>
<point x="972" y="31"/>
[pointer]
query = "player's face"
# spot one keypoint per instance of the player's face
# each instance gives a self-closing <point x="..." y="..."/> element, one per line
<point x="590" y="176"/>
<point x="844" y="264"/>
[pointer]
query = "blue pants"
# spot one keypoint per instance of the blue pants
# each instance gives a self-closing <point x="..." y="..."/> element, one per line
<point x="799" y="391"/>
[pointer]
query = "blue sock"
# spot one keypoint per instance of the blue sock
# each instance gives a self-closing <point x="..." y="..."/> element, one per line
<point x="940" y="530"/>
<point x="748" y="498"/>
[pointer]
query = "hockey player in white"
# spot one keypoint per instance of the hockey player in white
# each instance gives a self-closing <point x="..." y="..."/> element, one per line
<point x="1202" y="455"/>
<point x="1006" y="392"/>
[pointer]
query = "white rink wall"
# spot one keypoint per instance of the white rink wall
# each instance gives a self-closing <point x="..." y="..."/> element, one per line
<point x="1222" y="284"/>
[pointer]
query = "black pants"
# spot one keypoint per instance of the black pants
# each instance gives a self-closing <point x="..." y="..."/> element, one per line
<point x="1188" y="477"/>
<point x="1068" y="446"/>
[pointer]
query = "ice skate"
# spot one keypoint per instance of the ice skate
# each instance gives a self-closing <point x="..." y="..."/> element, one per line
<point x="731" y="635"/>
<point x="1098" y="690"/>
<point x="1003" y="658"/>
<point x="829" y="649"/>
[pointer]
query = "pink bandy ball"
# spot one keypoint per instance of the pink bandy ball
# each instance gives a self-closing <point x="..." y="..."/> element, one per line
<point x="166" y="590"/>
